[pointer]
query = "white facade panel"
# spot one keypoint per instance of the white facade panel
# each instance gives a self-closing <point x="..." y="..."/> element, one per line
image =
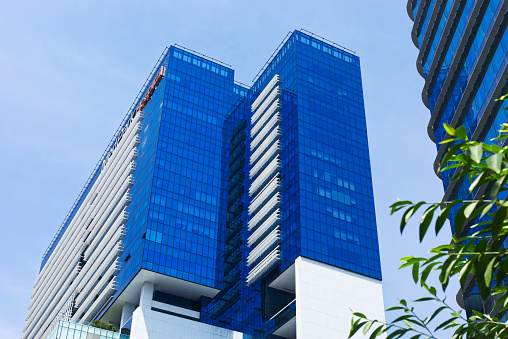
<point x="325" y="296"/>
<point x="92" y="240"/>
<point x="148" y="324"/>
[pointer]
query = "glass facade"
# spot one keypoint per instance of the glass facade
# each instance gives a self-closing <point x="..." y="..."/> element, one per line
<point x="175" y="209"/>
<point x="463" y="61"/>
<point x="233" y="183"/>
<point x="70" y="330"/>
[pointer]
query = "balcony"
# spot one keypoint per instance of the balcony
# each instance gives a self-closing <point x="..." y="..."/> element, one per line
<point x="70" y="330"/>
<point x="283" y="324"/>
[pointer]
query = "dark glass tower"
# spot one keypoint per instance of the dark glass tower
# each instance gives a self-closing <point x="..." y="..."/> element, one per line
<point x="463" y="56"/>
<point x="246" y="210"/>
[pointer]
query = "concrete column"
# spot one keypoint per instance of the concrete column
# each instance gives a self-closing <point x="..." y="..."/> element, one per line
<point x="127" y="311"/>
<point x="145" y="301"/>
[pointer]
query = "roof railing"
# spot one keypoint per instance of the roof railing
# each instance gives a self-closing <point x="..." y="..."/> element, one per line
<point x="274" y="54"/>
<point x="315" y="36"/>
<point x="111" y="143"/>
<point x="203" y="56"/>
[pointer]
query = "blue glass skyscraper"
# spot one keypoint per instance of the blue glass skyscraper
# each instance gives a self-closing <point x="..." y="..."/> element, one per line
<point x="463" y="57"/>
<point x="223" y="210"/>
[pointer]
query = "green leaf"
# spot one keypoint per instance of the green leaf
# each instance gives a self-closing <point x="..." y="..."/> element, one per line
<point x="488" y="271"/>
<point x="397" y="333"/>
<point x="432" y="290"/>
<point x="416" y="271"/>
<point x="492" y="148"/>
<point x="494" y="162"/>
<point x="478" y="181"/>
<point x="460" y="219"/>
<point x="367" y="327"/>
<point x="449" y="154"/>
<point x="426" y="272"/>
<point x="436" y="312"/>
<point x="408" y="323"/>
<point x="497" y="222"/>
<point x="464" y="272"/>
<point x="446" y="269"/>
<point x="443" y="215"/>
<point x="470" y="208"/>
<point x="446" y="322"/>
<point x="504" y="97"/>
<point x="426" y="219"/>
<point x="487" y="209"/>
<point x="446" y="141"/>
<point x="377" y="332"/>
<point x="408" y="214"/>
<point x="399" y="205"/>
<point x="359" y="315"/>
<point x="449" y="129"/>
<point x="461" y="133"/>
<point x="395" y="308"/>
<point x="402" y="318"/>
<point x="476" y="152"/>
<point x="478" y="314"/>
<point x="355" y="327"/>
<point x="478" y="210"/>
<point x="497" y="187"/>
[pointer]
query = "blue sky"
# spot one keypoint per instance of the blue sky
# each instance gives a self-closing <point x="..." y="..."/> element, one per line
<point x="69" y="71"/>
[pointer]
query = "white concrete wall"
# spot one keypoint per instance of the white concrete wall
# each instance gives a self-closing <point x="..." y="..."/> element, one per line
<point x="148" y="324"/>
<point x="324" y="296"/>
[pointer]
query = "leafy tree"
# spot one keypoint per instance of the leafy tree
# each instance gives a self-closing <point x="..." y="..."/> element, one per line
<point x="100" y="324"/>
<point x="477" y="249"/>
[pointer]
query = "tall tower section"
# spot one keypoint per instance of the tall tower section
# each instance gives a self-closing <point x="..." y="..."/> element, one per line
<point x="463" y="57"/>
<point x="222" y="210"/>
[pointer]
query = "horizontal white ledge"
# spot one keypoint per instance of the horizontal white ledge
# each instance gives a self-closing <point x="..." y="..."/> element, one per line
<point x="264" y="265"/>
<point x="256" y="252"/>
<point x="267" y="157"/>
<point x="264" y="227"/>
<point x="276" y="199"/>
<point x="275" y="134"/>
<point x="264" y="194"/>
<point x="274" y="121"/>
<point x="274" y="167"/>
<point x="276" y="80"/>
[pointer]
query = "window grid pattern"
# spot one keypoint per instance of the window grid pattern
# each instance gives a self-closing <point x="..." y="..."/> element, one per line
<point x="186" y="189"/>
<point x="461" y="82"/>
<point x="338" y="225"/>
<point x="488" y="39"/>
